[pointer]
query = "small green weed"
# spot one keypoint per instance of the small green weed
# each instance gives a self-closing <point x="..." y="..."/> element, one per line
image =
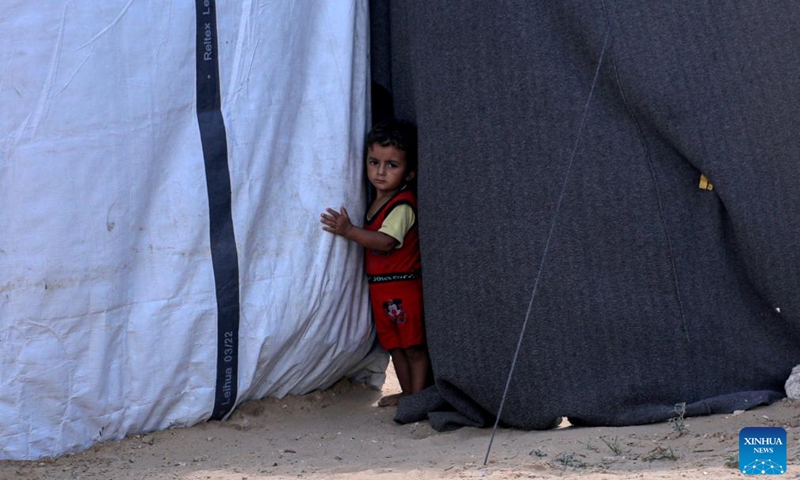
<point x="613" y="445"/>
<point x="537" y="453"/>
<point x="591" y="447"/>
<point x="660" y="452"/>
<point x="677" y="422"/>
<point x="567" y="459"/>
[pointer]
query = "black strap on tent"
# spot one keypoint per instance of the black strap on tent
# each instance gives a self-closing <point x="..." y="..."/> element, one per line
<point x="224" y="257"/>
<point x="550" y="233"/>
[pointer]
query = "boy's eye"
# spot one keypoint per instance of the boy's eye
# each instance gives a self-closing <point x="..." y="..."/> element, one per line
<point x="392" y="165"/>
<point x="372" y="162"/>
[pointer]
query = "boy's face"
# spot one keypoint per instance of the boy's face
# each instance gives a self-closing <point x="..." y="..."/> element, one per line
<point x="387" y="169"/>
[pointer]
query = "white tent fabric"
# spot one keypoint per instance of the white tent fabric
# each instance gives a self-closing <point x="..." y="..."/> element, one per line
<point x="109" y="304"/>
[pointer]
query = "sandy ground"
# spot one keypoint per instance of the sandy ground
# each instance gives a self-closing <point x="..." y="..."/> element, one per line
<point x="341" y="434"/>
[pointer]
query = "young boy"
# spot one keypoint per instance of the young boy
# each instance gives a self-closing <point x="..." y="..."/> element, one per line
<point x="392" y="258"/>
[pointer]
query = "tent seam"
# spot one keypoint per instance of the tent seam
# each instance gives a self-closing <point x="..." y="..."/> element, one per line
<point x="662" y="219"/>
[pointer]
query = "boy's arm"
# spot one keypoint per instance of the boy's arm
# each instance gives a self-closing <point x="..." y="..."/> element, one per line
<point x="339" y="223"/>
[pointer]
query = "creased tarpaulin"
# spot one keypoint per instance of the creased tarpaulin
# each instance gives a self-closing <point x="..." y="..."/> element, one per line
<point x="654" y="292"/>
<point x="108" y="302"/>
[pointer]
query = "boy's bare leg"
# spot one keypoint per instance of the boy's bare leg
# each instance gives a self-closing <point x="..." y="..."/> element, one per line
<point x="403" y="371"/>
<point x="419" y="365"/>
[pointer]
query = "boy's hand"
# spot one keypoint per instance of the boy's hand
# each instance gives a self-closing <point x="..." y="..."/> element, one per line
<point x="335" y="222"/>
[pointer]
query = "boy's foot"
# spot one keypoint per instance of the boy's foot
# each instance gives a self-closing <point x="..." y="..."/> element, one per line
<point x="390" y="400"/>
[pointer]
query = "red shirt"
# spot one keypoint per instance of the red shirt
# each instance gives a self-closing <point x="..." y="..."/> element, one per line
<point x="400" y="263"/>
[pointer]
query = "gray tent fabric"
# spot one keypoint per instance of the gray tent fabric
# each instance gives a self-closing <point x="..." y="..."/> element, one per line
<point x="654" y="291"/>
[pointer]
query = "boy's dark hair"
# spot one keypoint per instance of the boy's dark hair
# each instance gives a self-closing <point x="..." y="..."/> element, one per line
<point x="400" y="134"/>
